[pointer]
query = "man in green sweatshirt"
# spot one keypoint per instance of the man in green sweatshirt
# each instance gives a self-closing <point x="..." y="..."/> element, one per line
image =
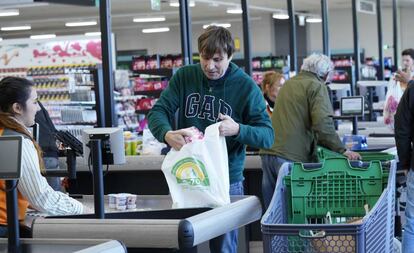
<point x="301" y="120"/>
<point x="215" y="90"/>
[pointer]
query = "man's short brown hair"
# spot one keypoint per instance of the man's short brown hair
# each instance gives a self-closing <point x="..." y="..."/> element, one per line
<point x="215" y="39"/>
<point x="408" y="51"/>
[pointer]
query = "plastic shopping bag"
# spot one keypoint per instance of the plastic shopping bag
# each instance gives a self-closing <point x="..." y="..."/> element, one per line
<point x="198" y="174"/>
<point x="394" y="94"/>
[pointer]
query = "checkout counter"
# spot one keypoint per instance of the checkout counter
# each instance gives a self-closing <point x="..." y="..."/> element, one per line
<point x="142" y="175"/>
<point x="154" y="226"/>
<point x="66" y="246"/>
<point x="379" y="136"/>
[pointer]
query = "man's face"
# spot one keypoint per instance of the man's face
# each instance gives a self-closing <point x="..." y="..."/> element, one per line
<point x="215" y="67"/>
<point x="407" y="61"/>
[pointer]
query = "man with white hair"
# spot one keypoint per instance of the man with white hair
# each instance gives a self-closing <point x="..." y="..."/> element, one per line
<point x="301" y="120"/>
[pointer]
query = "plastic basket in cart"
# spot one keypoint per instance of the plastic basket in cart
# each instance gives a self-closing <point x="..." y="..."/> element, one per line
<point x="373" y="234"/>
<point x="332" y="186"/>
<point x="366" y="156"/>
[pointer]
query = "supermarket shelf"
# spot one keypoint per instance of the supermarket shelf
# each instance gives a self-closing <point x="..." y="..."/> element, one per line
<point x="155" y="93"/>
<point x="267" y="69"/>
<point x="156" y="72"/>
<point x="128" y="112"/>
<point x="143" y="111"/>
<point x="69" y="103"/>
<point x="77" y="123"/>
<point x="53" y="90"/>
<point x="126" y="98"/>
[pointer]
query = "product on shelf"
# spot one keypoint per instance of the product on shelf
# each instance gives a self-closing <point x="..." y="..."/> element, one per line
<point x="340" y="75"/>
<point x="256" y="63"/>
<point x="138" y="62"/>
<point x="145" y="104"/>
<point x="167" y="61"/>
<point x="153" y="62"/>
<point x="133" y="143"/>
<point x="266" y="62"/>
<point x="342" y="62"/>
<point x="143" y="84"/>
<point x="177" y="61"/>
<point x="15" y="72"/>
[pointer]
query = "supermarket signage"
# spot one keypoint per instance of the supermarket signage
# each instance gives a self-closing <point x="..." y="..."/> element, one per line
<point x="59" y="51"/>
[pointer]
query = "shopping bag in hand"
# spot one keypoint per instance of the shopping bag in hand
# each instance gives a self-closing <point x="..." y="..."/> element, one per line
<point x="198" y="174"/>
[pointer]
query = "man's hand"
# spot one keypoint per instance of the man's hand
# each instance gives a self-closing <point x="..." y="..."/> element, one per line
<point x="403" y="76"/>
<point x="352" y="155"/>
<point x="176" y="138"/>
<point x="228" y="126"/>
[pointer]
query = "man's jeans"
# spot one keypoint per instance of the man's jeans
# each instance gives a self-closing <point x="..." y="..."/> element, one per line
<point x="227" y="243"/>
<point x="270" y="165"/>
<point x="408" y="234"/>
<point x="52" y="163"/>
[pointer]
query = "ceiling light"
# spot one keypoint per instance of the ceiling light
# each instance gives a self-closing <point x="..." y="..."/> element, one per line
<point x="234" y="10"/>
<point x="83" y="23"/>
<point x="280" y="16"/>
<point x="149" y="19"/>
<point x="16" y="28"/>
<point x="156" y="30"/>
<point x="313" y="20"/>
<point x="9" y="12"/>
<point x="43" y="36"/>
<point x="225" y="25"/>
<point x="93" y="34"/>
<point x="175" y="3"/>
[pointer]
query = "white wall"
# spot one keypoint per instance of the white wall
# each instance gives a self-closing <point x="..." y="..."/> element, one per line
<point x="169" y="43"/>
<point x="340" y="32"/>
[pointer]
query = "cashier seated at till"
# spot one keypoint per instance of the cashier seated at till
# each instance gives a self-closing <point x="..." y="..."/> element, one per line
<point x="18" y="107"/>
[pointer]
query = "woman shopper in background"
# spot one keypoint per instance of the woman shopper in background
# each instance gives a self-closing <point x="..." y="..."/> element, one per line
<point x="272" y="82"/>
<point x="18" y="107"/>
<point x="396" y="88"/>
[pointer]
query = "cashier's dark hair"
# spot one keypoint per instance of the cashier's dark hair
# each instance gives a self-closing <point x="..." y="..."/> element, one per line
<point x="215" y="39"/>
<point x="16" y="90"/>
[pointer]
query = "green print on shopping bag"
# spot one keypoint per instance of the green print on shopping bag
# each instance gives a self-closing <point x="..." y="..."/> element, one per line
<point x="191" y="172"/>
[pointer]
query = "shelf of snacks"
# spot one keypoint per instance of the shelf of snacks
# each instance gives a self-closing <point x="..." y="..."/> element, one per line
<point x="156" y="62"/>
<point x="15" y="72"/>
<point x="136" y="93"/>
<point x="67" y="92"/>
<point x="261" y="65"/>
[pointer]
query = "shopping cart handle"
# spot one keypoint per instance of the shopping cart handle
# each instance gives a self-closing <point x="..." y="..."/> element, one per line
<point x="359" y="164"/>
<point x="312" y="234"/>
<point x="312" y="165"/>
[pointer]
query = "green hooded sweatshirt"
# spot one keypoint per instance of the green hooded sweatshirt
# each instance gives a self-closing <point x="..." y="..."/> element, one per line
<point x="302" y="119"/>
<point x="199" y="104"/>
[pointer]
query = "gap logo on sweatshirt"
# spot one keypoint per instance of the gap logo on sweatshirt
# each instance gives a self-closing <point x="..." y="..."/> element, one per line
<point x="204" y="107"/>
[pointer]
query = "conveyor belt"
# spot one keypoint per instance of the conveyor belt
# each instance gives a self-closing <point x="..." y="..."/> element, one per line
<point x="171" y="232"/>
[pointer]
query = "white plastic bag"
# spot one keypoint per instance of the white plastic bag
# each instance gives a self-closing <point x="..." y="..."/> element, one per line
<point x="198" y="174"/>
<point x="394" y="94"/>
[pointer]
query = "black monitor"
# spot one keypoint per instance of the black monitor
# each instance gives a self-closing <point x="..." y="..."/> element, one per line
<point x="10" y="157"/>
<point x="352" y="106"/>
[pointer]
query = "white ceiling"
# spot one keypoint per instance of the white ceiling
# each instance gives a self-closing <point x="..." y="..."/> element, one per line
<point x="51" y="18"/>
